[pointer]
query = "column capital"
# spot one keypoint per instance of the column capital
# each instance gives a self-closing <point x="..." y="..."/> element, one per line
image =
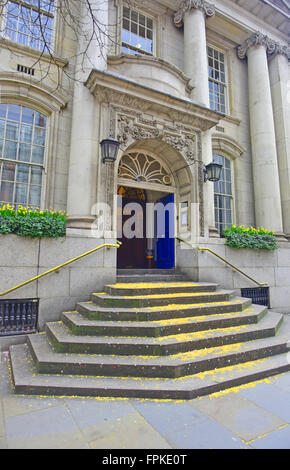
<point x="272" y="47"/>
<point x="187" y="5"/>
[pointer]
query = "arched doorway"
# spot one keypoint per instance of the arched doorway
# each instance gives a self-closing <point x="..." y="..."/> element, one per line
<point x="146" y="212"/>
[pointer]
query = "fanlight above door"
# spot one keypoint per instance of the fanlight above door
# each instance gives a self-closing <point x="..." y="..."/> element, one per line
<point x="141" y="167"/>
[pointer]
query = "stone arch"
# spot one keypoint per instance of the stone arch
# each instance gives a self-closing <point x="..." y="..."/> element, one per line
<point x="186" y="175"/>
<point x="183" y="173"/>
<point x="28" y="92"/>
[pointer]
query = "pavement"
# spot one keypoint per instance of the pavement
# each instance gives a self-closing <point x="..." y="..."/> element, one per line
<point x="256" y="416"/>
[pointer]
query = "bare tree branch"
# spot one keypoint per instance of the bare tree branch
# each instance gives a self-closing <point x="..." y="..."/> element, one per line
<point x="33" y="24"/>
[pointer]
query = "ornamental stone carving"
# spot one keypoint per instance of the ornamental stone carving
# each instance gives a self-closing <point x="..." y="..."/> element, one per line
<point x="130" y="127"/>
<point x="270" y="45"/>
<point x="187" y="5"/>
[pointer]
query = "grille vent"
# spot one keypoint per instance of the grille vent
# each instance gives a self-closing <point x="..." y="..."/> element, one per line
<point x="24" y="69"/>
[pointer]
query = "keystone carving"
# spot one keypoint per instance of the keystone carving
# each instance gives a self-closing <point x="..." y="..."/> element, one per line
<point x="187" y="5"/>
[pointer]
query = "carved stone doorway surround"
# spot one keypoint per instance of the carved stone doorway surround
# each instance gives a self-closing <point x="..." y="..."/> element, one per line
<point x="173" y="145"/>
<point x="162" y="124"/>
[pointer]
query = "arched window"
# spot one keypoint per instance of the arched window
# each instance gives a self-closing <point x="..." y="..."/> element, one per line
<point x="223" y="195"/>
<point x="22" y="150"/>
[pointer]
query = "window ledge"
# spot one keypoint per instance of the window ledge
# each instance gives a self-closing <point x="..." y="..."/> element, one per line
<point x="232" y="119"/>
<point x="34" y="53"/>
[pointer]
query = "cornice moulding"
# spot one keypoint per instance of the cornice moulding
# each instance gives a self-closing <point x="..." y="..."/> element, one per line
<point x="247" y="21"/>
<point x="111" y="89"/>
<point x="187" y="5"/>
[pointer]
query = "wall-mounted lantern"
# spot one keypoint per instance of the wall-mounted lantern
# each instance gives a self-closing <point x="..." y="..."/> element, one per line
<point x="212" y="172"/>
<point x="109" y="149"/>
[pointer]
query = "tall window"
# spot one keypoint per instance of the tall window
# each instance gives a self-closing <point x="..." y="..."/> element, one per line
<point x="30" y="23"/>
<point x="223" y="195"/>
<point x="22" y="146"/>
<point x="137" y="33"/>
<point x="217" y="80"/>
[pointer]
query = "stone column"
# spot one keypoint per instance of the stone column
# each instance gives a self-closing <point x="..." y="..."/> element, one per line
<point x="264" y="154"/>
<point x="280" y="88"/>
<point x="192" y="14"/>
<point x="82" y="179"/>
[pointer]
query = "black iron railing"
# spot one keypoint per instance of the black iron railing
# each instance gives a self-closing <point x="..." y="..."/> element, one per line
<point x="259" y="295"/>
<point x="18" y="316"/>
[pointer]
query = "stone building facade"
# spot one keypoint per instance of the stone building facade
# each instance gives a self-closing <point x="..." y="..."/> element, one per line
<point x="178" y="84"/>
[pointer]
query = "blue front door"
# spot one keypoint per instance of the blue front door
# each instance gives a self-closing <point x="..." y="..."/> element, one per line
<point x="164" y="230"/>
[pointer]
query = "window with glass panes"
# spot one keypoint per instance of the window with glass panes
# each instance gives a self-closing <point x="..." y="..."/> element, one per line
<point x="137" y="33"/>
<point x="217" y="80"/>
<point x="30" y="23"/>
<point x="22" y="149"/>
<point x="223" y="195"/>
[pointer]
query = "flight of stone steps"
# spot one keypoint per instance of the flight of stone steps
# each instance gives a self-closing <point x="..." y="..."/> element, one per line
<point x="153" y="334"/>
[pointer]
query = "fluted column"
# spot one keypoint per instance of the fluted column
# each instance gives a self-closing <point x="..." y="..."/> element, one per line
<point x="91" y="53"/>
<point x="279" y="81"/>
<point x="264" y="154"/>
<point x="192" y="14"/>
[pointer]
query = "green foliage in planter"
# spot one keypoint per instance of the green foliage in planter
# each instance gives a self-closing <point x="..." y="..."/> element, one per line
<point x="249" y="237"/>
<point x="32" y="222"/>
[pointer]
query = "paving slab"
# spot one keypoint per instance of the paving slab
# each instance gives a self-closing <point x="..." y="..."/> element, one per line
<point x="167" y="418"/>
<point x="3" y="444"/>
<point x="279" y="439"/>
<point x="241" y="417"/>
<point x="15" y="405"/>
<point x="128" y="432"/>
<point x="88" y="413"/>
<point x="43" y="429"/>
<point x="206" y="435"/>
<point x="283" y="381"/>
<point x="270" y="398"/>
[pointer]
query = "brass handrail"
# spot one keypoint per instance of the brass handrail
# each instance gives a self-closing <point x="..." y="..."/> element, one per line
<point x="261" y="284"/>
<point x="57" y="268"/>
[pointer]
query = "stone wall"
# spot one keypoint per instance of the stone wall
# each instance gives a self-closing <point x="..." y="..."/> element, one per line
<point x="272" y="267"/>
<point x="22" y="259"/>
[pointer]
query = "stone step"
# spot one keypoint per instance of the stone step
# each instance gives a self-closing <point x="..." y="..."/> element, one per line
<point x="93" y="311"/>
<point x="80" y="325"/>
<point x="27" y="381"/>
<point x="132" y="278"/>
<point x="64" y="341"/>
<point x="156" y="288"/>
<point x="142" y="301"/>
<point x="142" y="272"/>
<point x="178" y="365"/>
